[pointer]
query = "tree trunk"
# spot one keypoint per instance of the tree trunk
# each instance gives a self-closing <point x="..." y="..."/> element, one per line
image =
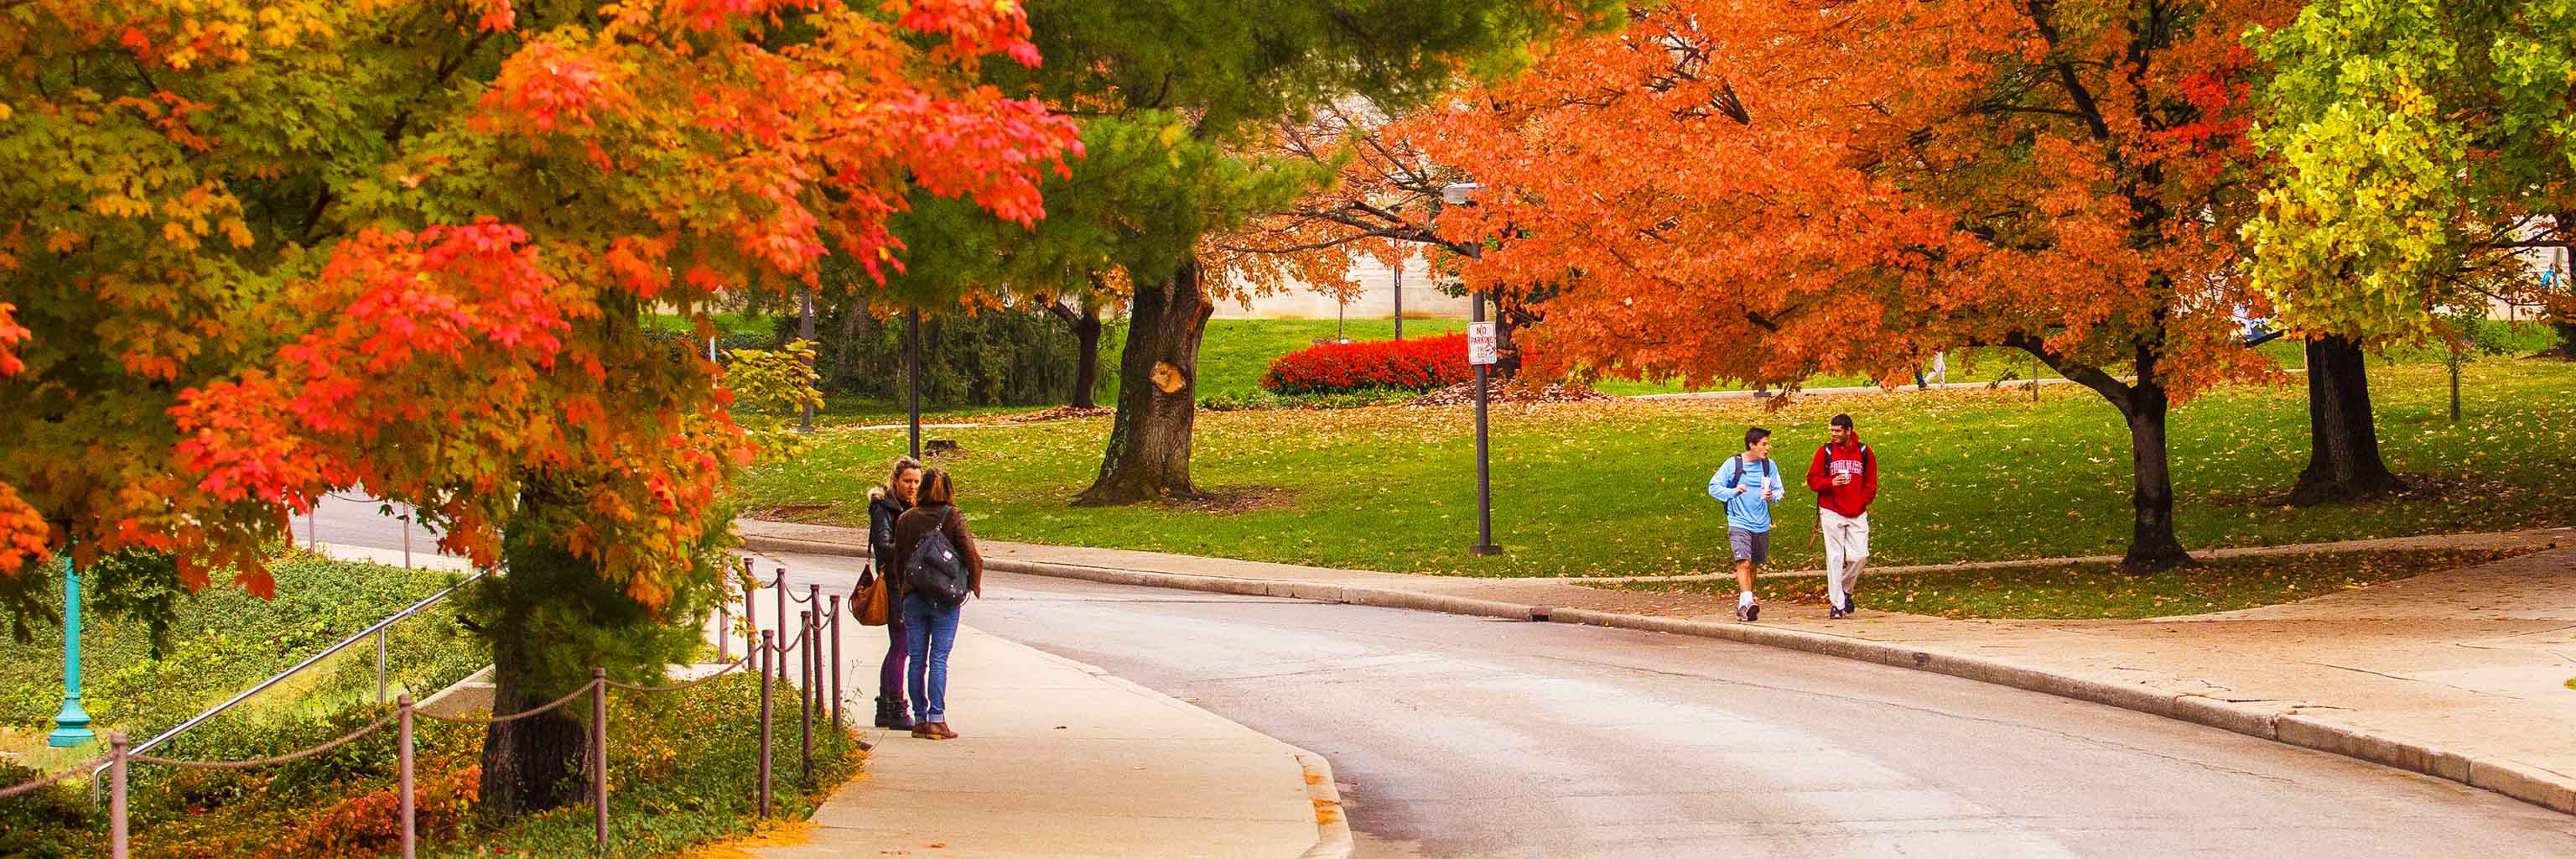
<point x="531" y="764"/>
<point x="1149" y="442"/>
<point x="1086" y="332"/>
<point x="2152" y="543"/>
<point x="2343" y="444"/>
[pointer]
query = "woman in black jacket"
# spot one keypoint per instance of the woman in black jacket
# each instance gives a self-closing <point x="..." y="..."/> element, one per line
<point x="885" y="504"/>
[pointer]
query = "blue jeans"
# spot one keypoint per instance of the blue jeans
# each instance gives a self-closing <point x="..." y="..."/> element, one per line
<point x="929" y="630"/>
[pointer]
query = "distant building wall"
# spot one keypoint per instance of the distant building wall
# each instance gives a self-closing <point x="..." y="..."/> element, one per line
<point x="1422" y="298"/>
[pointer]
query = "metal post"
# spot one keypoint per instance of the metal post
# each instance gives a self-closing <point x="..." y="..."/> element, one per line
<point x="380" y="665"/>
<point x="71" y="724"/>
<point x="750" y="610"/>
<point x="599" y="756"/>
<point x="1484" y="481"/>
<point x="814" y="644"/>
<point x="805" y="332"/>
<point x="912" y="371"/>
<point x="402" y="777"/>
<point x="805" y="700"/>
<point x="1399" y="299"/>
<point x="764" y="723"/>
<point x="836" y="661"/>
<point x="406" y="520"/>
<point x="781" y="587"/>
<point x="115" y="794"/>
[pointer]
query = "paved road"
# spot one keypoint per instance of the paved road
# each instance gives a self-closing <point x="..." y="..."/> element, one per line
<point x="337" y="519"/>
<point x="1458" y="736"/>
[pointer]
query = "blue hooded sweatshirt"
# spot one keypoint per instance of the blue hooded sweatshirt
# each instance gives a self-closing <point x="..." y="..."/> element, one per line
<point x="1745" y="507"/>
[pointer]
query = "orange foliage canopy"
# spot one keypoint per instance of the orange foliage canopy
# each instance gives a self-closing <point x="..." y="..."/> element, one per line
<point x="468" y="338"/>
<point x="1765" y="190"/>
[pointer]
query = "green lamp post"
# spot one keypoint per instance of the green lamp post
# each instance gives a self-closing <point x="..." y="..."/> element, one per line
<point x="71" y="726"/>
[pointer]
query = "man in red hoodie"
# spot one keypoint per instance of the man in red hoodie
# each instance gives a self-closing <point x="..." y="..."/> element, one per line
<point x="1845" y="477"/>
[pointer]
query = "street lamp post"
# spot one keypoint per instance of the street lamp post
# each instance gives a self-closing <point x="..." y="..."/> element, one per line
<point x="912" y="371"/>
<point x="805" y="332"/>
<point x="1398" y="280"/>
<point x="71" y="726"/>
<point x="1463" y="194"/>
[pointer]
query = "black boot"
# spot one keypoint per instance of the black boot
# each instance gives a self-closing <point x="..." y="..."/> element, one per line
<point x="893" y="713"/>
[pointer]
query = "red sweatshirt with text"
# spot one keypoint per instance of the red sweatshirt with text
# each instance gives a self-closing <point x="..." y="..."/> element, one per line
<point x="1855" y="459"/>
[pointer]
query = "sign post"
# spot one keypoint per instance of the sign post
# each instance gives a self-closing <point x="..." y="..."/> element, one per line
<point x="1481" y="354"/>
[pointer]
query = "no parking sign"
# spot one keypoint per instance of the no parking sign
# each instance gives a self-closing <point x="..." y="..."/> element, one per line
<point x="1480" y="343"/>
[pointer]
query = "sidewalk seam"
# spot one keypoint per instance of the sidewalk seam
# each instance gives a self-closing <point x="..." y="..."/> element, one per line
<point x="2527" y="783"/>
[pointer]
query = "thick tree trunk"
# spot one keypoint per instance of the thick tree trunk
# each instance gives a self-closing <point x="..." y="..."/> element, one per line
<point x="2343" y="444"/>
<point x="1149" y="444"/>
<point x="2143" y="406"/>
<point x="1086" y="367"/>
<point x="2152" y="542"/>
<point x="531" y="764"/>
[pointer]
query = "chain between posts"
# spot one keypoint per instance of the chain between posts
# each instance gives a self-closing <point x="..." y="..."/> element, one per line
<point x="406" y="713"/>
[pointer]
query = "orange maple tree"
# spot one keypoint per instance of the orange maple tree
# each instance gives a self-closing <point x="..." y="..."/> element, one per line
<point x="409" y="248"/>
<point x="1763" y="191"/>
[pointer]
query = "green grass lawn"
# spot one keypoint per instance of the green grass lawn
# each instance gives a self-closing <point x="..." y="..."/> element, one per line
<point x="2079" y="591"/>
<point x="1619" y="488"/>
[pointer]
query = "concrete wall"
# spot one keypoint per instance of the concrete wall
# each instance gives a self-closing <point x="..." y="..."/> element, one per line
<point x="1422" y="300"/>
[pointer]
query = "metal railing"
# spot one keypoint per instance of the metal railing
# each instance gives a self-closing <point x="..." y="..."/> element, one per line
<point x="771" y="647"/>
<point x="376" y="629"/>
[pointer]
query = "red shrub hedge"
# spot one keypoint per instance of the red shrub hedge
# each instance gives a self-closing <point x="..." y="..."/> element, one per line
<point x="1419" y="364"/>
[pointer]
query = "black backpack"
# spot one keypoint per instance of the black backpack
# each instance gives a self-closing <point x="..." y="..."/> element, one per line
<point x="1770" y="469"/>
<point x="936" y="569"/>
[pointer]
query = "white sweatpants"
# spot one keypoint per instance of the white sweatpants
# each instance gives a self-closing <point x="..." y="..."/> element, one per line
<point x="1846" y="549"/>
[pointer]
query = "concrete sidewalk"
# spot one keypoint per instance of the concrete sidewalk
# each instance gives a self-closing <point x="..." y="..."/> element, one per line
<point x="2458" y="674"/>
<point x="1058" y="758"/>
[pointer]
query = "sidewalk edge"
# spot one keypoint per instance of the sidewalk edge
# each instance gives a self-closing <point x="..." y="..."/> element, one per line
<point x="2535" y="785"/>
<point x="1332" y="827"/>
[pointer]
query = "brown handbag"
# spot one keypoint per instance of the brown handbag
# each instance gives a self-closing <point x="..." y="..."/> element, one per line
<point x="869" y="602"/>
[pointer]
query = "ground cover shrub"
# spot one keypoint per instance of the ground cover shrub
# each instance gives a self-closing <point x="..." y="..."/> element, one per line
<point x="1418" y="364"/>
<point x="2099" y="590"/>
<point x="682" y="772"/>
<point x="223" y="640"/>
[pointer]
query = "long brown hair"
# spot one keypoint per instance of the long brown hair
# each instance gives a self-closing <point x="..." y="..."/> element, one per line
<point x="936" y="489"/>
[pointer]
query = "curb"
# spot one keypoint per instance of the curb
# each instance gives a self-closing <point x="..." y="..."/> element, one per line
<point x="1332" y="827"/>
<point x="2541" y="787"/>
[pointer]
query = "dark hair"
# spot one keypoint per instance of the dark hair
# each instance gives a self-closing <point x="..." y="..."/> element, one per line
<point x="1843" y="421"/>
<point x="935" y="488"/>
<point x="1755" y="436"/>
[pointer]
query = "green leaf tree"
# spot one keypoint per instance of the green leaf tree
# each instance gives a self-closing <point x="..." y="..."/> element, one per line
<point x="1178" y="102"/>
<point x="2417" y="142"/>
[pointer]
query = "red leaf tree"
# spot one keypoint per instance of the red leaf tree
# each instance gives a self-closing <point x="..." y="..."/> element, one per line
<point x="410" y="248"/>
<point x="1765" y="191"/>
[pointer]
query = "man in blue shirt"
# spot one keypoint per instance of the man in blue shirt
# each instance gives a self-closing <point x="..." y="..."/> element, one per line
<point x="1749" y="483"/>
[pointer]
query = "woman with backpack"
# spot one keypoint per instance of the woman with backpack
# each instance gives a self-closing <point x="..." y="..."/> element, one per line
<point x="937" y="569"/>
<point x="885" y="504"/>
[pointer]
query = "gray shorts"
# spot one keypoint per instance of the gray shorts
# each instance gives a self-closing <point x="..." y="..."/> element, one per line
<point x="1752" y="546"/>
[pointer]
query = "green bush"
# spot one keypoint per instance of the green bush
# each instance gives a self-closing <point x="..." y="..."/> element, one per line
<point x="991" y="358"/>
